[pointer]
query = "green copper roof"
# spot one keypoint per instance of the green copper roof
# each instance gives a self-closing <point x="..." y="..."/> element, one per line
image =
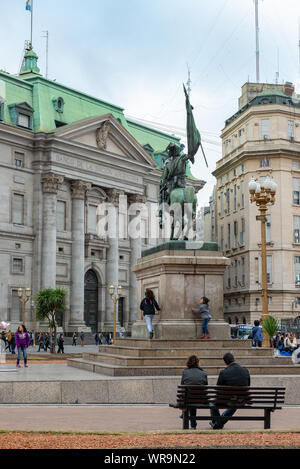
<point x="55" y="104"/>
<point x="272" y="92"/>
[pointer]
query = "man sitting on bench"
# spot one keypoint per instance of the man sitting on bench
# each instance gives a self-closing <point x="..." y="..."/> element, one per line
<point x="233" y="375"/>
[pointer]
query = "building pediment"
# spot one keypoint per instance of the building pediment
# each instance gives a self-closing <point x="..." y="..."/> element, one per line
<point x="107" y="135"/>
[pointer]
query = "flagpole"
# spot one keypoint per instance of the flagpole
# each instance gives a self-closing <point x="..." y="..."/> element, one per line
<point x="31" y="11"/>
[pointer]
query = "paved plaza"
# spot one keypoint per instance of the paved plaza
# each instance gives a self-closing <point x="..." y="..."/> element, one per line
<point x="124" y="418"/>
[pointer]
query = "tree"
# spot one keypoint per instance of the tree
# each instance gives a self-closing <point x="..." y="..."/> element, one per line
<point x="270" y="326"/>
<point x="49" y="302"/>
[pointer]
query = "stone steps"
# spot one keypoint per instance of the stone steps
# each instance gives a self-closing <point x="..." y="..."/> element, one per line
<point x="186" y="343"/>
<point x="180" y="360"/>
<point x="133" y="371"/>
<point x="183" y="352"/>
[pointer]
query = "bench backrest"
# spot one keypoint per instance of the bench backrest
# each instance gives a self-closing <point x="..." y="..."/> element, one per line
<point x="229" y="396"/>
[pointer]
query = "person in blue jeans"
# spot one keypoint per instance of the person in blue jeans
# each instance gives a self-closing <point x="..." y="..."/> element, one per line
<point x="22" y="343"/>
<point x="148" y="306"/>
<point x="257" y="338"/>
<point x="204" y="310"/>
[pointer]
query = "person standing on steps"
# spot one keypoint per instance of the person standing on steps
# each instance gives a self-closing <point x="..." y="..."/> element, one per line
<point x="148" y="306"/>
<point x="204" y="310"/>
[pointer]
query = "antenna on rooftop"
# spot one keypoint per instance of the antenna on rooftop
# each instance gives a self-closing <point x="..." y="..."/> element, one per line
<point x="277" y="73"/>
<point x="257" y="40"/>
<point x="47" y="50"/>
<point x="299" y="44"/>
<point x="189" y="82"/>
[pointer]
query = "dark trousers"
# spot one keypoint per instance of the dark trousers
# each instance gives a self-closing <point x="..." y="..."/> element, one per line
<point x="215" y="412"/>
<point x="193" y="413"/>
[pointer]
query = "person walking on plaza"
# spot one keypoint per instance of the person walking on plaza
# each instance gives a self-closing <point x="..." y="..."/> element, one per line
<point x="204" y="310"/>
<point x="82" y="339"/>
<point x="233" y="375"/>
<point x="193" y="374"/>
<point x="74" y="337"/>
<point x="9" y="340"/>
<point x="60" y="343"/>
<point x="257" y="337"/>
<point x="13" y="344"/>
<point x="22" y="343"/>
<point x="148" y="306"/>
<point x="47" y="342"/>
<point x="97" y="338"/>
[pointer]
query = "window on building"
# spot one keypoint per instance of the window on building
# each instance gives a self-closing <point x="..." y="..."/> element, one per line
<point x="269" y="300"/>
<point x="291" y="129"/>
<point x="297" y="269"/>
<point x="242" y="233"/>
<point x="228" y="236"/>
<point x="24" y="120"/>
<point x="296" y="220"/>
<point x="228" y="277"/>
<point x="227" y="177"/>
<point x="233" y="142"/>
<point x="222" y="204"/>
<point x="234" y="198"/>
<point x="297" y="300"/>
<point x="235" y="171"/>
<point x="247" y="131"/>
<point x="228" y="201"/>
<point x="222" y="238"/>
<point x="296" y="191"/>
<point x="61" y="215"/>
<point x="144" y="230"/>
<point x="265" y="163"/>
<point x="269" y="269"/>
<point x="241" y="168"/>
<point x="235" y="234"/>
<point x="295" y="165"/>
<point x="19" y="159"/>
<point x="242" y="194"/>
<point x="243" y="272"/>
<point x="221" y="180"/>
<point x="18" y="209"/>
<point x="268" y="229"/>
<point x="92" y="219"/>
<point x="17" y="265"/>
<point x="226" y="143"/>
<point x="265" y="128"/>
<point x="16" y="307"/>
<point x="235" y="273"/>
<point x="240" y="137"/>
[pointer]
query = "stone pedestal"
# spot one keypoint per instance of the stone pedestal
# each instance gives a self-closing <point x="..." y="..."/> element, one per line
<point x="180" y="273"/>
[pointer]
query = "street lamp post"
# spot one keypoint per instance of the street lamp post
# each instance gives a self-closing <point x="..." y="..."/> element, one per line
<point x="263" y="195"/>
<point x="24" y="300"/>
<point x="115" y="297"/>
<point x="34" y="321"/>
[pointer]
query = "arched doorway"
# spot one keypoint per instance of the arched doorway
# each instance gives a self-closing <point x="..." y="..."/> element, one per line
<point x="91" y="300"/>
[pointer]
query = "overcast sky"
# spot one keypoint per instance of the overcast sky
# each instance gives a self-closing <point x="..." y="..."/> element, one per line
<point x="134" y="53"/>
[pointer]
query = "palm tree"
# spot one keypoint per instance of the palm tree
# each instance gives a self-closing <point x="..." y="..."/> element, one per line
<point x="49" y="302"/>
<point x="270" y="326"/>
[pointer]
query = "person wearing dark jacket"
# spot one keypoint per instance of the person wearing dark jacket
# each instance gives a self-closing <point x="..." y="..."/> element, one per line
<point x="148" y="306"/>
<point x="193" y="374"/>
<point x="233" y="375"/>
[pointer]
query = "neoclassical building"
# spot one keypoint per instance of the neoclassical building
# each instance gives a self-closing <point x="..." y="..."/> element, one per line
<point x="62" y="154"/>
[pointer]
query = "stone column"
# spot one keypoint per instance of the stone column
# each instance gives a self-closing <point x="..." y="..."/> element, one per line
<point x="112" y="254"/>
<point x="135" y="254"/>
<point x="79" y="189"/>
<point x="50" y="183"/>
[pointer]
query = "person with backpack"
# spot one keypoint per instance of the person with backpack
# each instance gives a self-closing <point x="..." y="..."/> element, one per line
<point x="148" y="306"/>
<point x="204" y="310"/>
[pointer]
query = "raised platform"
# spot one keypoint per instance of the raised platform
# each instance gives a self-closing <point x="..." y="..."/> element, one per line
<point x="138" y="357"/>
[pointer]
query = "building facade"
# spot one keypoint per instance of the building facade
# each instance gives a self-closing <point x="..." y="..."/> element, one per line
<point x="64" y="153"/>
<point x="261" y="139"/>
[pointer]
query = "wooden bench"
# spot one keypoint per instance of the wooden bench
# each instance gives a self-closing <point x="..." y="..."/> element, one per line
<point x="268" y="399"/>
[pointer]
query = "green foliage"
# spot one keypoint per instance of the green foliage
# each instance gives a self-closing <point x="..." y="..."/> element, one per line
<point x="48" y="303"/>
<point x="270" y="326"/>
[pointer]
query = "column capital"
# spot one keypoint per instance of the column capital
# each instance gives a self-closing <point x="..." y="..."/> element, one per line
<point x="113" y="196"/>
<point x="137" y="198"/>
<point x="50" y="182"/>
<point x="79" y="189"/>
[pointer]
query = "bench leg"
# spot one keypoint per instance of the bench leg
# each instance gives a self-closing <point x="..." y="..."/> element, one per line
<point x="185" y="420"/>
<point x="267" y="422"/>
